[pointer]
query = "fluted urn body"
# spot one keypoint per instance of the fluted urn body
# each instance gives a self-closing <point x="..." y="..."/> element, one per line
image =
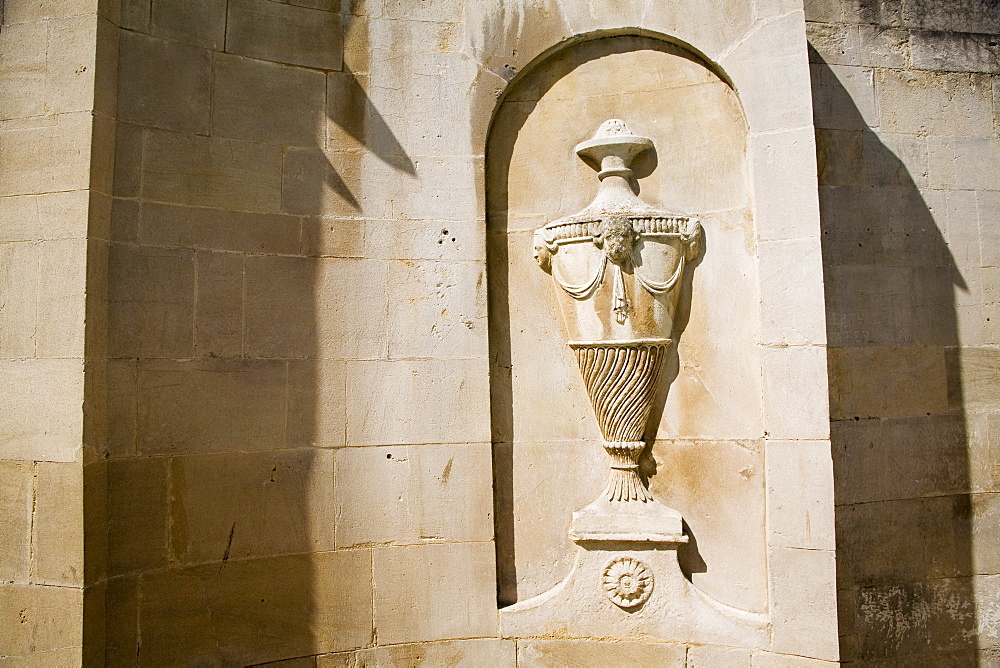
<point x="618" y="265"/>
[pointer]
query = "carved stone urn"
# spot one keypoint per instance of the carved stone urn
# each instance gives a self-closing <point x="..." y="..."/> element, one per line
<point x="618" y="264"/>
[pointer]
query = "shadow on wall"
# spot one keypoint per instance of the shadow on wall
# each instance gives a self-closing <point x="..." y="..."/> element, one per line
<point x="222" y="274"/>
<point x="904" y="542"/>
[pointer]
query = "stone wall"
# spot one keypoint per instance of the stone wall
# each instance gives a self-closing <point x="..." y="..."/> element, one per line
<point x="906" y="114"/>
<point x="55" y="182"/>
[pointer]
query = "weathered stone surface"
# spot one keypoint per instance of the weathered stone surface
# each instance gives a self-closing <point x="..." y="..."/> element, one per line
<point x="794" y="521"/>
<point x="935" y="102"/>
<point x="799" y="409"/>
<point x="707" y="656"/>
<point x="803" y="596"/>
<point x="24" y="69"/>
<point x="219" y="173"/>
<point x="164" y="84"/>
<point x="137" y="514"/>
<point x="460" y="603"/>
<point x="408" y="494"/>
<point x="257" y="610"/>
<point x="887" y="382"/>
<point x="217" y="229"/>
<point x="202" y="23"/>
<point x="16" y="506"/>
<point x="151" y="294"/>
<point x="317" y="403"/>
<point x="237" y="506"/>
<point x="459" y="653"/>
<point x="284" y="33"/>
<point x="218" y="317"/>
<point x="41" y="624"/>
<point x="57" y="525"/>
<point x="592" y="652"/>
<point x="417" y="401"/>
<point x="18" y="318"/>
<point x="267" y="102"/>
<point x="719" y="489"/>
<point x="61" y="306"/>
<point x="46" y="155"/>
<point x="44" y="420"/>
<point x="210" y="405"/>
<point x="439" y="309"/>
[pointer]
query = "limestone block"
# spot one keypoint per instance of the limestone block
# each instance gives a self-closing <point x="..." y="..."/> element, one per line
<point x="948" y="619"/>
<point x="20" y="218"/>
<point x="128" y="161"/>
<point x="417" y="401"/>
<point x="284" y="33"/>
<point x="936" y="103"/>
<point x="219" y="173"/>
<point x="928" y="453"/>
<point x="279" y="311"/>
<point x="435" y="592"/>
<point x="775" y="660"/>
<point x="874" y="305"/>
<point x="834" y="43"/>
<point x="47" y="155"/>
<point x="207" y="405"/>
<point x="710" y="656"/>
<point x="795" y="392"/>
<point x="795" y="518"/>
<point x="785" y="206"/>
<point x="16" y="499"/>
<point x="791" y="292"/>
<point x="385" y="112"/>
<point x="438" y="311"/>
<point x="218" y="318"/>
<point x="844" y="97"/>
<point x="122" y="621"/>
<point x="552" y="653"/>
<point x="151" y="294"/>
<point x="267" y="102"/>
<point x="984" y="452"/>
<point x="952" y="52"/>
<point x="980" y="374"/>
<point x="201" y="23"/>
<point x="803" y="603"/>
<point x="71" y="62"/>
<point x="195" y="227"/>
<point x="22" y="11"/>
<point x="23" y="71"/>
<point x="57" y="525"/>
<point x="914" y="382"/>
<point x="43" y="419"/>
<point x="409" y="494"/>
<point x="965" y="163"/>
<point x="247" y="505"/>
<point x="257" y="610"/>
<point x="164" y="83"/>
<point x="62" y="283"/>
<point x="780" y="97"/>
<point x="317" y="403"/>
<point x="823" y="10"/>
<point x="882" y="46"/>
<point x="469" y="653"/>
<point x="336" y="237"/>
<point x="122" y="407"/>
<point x="539" y="552"/>
<point x="719" y="489"/>
<point x="985" y="520"/>
<point x="135" y="15"/>
<point x="315" y="183"/>
<point x="41" y="623"/>
<point x="137" y="514"/>
<point x="18" y="318"/>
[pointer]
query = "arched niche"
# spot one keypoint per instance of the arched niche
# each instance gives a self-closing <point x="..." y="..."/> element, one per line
<point x="707" y="458"/>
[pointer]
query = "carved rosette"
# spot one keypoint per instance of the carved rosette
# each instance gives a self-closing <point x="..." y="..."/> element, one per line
<point x="627" y="582"/>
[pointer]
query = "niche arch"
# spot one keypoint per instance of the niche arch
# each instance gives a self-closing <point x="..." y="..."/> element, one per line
<point x="707" y="457"/>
